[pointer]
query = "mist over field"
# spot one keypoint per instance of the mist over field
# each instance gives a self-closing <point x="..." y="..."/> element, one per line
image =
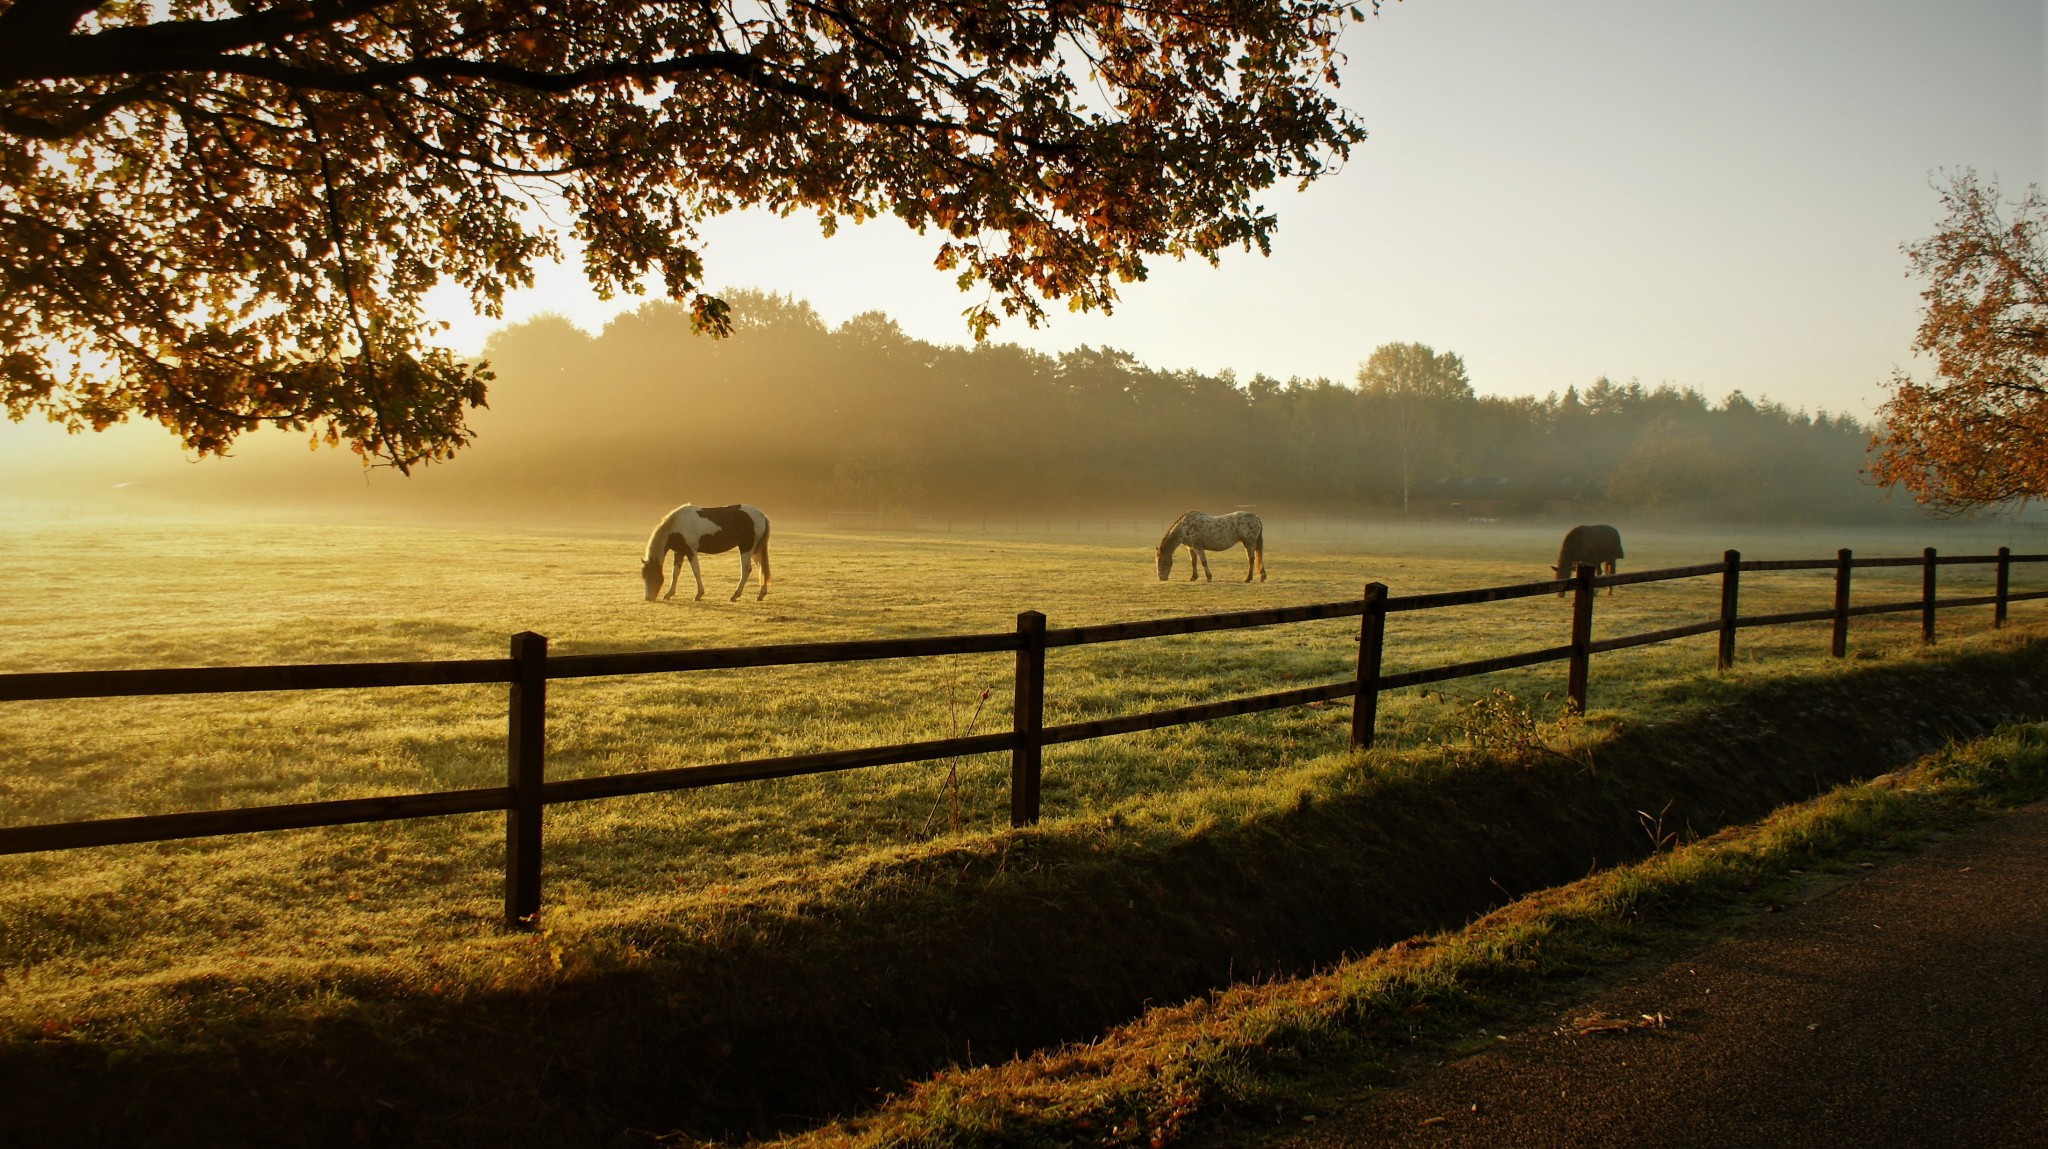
<point x="386" y="758"/>
<point x="794" y="415"/>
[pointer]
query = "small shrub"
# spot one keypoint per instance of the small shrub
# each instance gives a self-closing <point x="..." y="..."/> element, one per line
<point x="1503" y="726"/>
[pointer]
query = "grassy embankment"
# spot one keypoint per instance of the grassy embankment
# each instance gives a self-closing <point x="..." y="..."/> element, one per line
<point x="1254" y="1055"/>
<point x="724" y="960"/>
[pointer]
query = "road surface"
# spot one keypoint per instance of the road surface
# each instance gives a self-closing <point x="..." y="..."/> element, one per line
<point x="1906" y="1008"/>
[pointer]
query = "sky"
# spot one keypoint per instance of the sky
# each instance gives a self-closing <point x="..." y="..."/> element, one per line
<point x="1706" y="194"/>
<point x="1711" y="195"/>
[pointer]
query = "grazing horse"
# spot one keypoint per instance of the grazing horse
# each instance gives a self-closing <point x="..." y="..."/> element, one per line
<point x="1598" y="546"/>
<point x="690" y="530"/>
<point x="1199" y="532"/>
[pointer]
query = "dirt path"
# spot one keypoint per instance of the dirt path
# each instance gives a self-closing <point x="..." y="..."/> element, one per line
<point x="1906" y="1008"/>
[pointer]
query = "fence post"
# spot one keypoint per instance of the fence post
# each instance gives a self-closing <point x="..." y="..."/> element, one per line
<point x="525" y="767"/>
<point x="1372" y="640"/>
<point x="1839" y="647"/>
<point x="1028" y="719"/>
<point x="2004" y="571"/>
<point x="1927" y="595"/>
<point x="1582" y="638"/>
<point x="1731" y="585"/>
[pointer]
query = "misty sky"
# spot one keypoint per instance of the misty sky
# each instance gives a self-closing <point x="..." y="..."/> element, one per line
<point x="1712" y="195"/>
<point x="1708" y="194"/>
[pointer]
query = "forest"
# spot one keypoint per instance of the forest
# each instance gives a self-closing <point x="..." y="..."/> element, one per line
<point x="792" y="412"/>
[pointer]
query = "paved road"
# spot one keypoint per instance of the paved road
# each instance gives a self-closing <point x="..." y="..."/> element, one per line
<point x="1907" y="1008"/>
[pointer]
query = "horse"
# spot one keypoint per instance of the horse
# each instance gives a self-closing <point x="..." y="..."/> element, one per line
<point x="1598" y="546"/>
<point x="1199" y="532"/>
<point x="690" y="530"/>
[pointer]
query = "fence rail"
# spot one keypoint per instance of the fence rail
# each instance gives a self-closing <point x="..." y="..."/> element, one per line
<point x="245" y="679"/>
<point x="528" y="792"/>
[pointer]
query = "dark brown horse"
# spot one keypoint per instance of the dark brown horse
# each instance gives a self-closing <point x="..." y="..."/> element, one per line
<point x="1599" y="546"/>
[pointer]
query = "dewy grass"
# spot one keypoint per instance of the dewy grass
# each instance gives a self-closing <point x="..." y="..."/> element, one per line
<point x="1250" y="1049"/>
<point x="723" y="914"/>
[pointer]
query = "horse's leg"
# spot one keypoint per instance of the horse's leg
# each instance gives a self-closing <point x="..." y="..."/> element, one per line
<point x="698" y="573"/>
<point x="675" y="575"/>
<point x="1207" y="574"/>
<point x="1251" y="560"/>
<point x="1608" y="567"/>
<point x="746" y="571"/>
<point x="763" y="548"/>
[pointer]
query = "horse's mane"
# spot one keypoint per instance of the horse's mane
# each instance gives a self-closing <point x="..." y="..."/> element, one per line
<point x="658" y="541"/>
<point x="1173" y="532"/>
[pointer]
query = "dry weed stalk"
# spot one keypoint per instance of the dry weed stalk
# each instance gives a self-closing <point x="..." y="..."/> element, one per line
<point x="1501" y="724"/>
<point x="951" y="787"/>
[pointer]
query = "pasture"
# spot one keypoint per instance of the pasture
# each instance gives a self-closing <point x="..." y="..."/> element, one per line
<point x="156" y="931"/>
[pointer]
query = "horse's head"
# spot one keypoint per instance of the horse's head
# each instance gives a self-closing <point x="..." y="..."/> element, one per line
<point x="650" y="573"/>
<point x="1165" y="556"/>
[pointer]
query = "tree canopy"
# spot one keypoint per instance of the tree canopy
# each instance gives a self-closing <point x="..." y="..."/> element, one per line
<point x="1414" y="384"/>
<point x="1414" y="370"/>
<point x="1976" y="434"/>
<point x="224" y="213"/>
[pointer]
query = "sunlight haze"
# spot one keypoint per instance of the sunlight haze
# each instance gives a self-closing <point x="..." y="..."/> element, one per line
<point x="1708" y="195"/>
<point x="1712" y="197"/>
<point x="1263" y="715"/>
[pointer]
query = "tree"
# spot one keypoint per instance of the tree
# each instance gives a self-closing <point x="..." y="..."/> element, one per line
<point x="1977" y="433"/>
<point x="219" y="214"/>
<point x="1413" y="381"/>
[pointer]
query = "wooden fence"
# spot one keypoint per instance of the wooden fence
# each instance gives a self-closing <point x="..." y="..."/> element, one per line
<point x="528" y="792"/>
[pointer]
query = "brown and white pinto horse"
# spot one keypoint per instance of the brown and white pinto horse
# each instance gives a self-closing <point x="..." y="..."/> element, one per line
<point x="1199" y="532"/>
<point x="690" y="530"/>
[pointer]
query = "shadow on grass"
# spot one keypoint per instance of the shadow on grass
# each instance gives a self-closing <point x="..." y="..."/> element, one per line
<point x="777" y="1019"/>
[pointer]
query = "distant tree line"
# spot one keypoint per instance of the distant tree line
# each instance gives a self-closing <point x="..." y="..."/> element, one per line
<point x="788" y="411"/>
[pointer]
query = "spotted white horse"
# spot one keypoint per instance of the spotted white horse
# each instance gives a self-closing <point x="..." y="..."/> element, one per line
<point x="690" y="530"/>
<point x="1199" y="532"/>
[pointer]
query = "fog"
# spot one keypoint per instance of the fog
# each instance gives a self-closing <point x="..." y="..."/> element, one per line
<point x="794" y="415"/>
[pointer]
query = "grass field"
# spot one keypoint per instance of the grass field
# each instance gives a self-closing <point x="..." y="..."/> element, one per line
<point x="140" y="932"/>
